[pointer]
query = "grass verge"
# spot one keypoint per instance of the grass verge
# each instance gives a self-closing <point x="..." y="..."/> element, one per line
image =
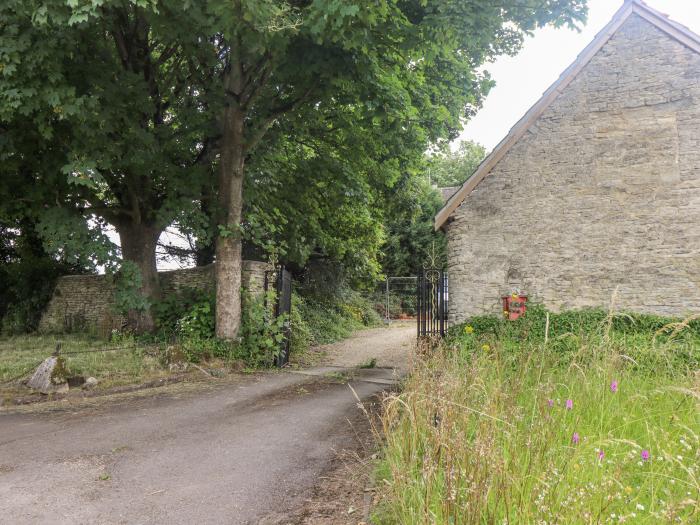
<point x="578" y="418"/>
<point x="111" y="363"/>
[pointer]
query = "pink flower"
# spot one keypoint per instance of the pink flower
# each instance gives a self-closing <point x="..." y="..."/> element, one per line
<point x="550" y="402"/>
<point x="613" y="386"/>
<point x="575" y="438"/>
<point x="645" y="455"/>
<point x="569" y="404"/>
<point x="601" y="455"/>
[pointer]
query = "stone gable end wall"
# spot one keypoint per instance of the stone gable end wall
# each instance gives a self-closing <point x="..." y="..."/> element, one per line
<point x="600" y="197"/>
<point x="86" y="301"/>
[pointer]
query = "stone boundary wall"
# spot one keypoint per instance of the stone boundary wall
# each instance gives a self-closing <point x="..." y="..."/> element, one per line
<point x="600" y="199"/>
<point x="86" y="301"/>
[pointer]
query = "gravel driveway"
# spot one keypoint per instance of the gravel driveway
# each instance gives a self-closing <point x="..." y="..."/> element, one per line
<point x="391" y="346"/>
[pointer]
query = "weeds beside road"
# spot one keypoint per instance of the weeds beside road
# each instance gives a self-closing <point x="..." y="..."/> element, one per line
<point x="596" y="422"/>
<point x="113" y="363"/>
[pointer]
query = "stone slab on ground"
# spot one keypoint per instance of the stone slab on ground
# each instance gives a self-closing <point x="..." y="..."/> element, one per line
<point x="49" y="376"/>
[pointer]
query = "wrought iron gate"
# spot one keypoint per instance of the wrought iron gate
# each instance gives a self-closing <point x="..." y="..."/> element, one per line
<point x="281" y="279"/>
<point x="432" y="297"/>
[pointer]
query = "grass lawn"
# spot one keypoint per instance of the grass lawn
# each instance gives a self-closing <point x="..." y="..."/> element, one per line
<point x="112" y="364"/>
<point x="599" y="422"/>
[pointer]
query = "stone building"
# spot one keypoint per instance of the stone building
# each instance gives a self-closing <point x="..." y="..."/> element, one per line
<point x="595" y="192"/>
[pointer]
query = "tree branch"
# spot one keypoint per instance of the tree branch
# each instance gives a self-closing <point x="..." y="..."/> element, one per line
<point x="275" y="113"/>
<point x="165" y="55"/>
<point x="256" y="81"/>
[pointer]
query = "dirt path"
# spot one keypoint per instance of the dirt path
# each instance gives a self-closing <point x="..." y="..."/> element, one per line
<point x="247" y="450"/>
<point x="390" y="346"/>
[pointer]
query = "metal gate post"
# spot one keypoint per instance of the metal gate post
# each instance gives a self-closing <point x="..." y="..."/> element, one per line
<point x="282" y="306"/>
<point x="387" y="315"/>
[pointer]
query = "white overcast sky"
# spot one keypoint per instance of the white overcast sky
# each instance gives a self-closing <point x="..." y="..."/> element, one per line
<point x="521" y="80"/>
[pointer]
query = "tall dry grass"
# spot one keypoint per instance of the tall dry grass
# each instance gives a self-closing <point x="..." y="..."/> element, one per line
<point x="500" y="427"/>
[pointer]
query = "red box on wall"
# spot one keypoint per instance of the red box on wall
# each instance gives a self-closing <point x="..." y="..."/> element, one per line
<point x="514" y="306"/>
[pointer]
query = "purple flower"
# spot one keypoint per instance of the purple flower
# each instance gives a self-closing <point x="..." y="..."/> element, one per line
<point x="550" y="402"/>
<point x="575" y="438"/>
<point x="569" y="404"/>
<point x="613" y="386"/>
<point x="645" y="455"/>
<point x="601" y="455"/>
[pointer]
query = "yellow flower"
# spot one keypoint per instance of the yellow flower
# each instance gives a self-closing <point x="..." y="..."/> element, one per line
<point x="485" y="348"/>
<point x="469" y="329"/>
<point x="576" y="466"/>
<point x="514" y="295"/>
<point x="505" y="312"/>
<point x="628" y="489"/>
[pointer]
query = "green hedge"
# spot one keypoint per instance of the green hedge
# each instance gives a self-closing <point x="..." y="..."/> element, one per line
<point x="317" y="321"/>
<point x="651" y="342"/>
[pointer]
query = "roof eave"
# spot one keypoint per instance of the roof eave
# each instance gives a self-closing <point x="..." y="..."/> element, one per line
<point x="681" y="33"/>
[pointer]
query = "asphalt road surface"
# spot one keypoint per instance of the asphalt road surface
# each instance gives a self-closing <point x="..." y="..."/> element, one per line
<point x="244" y="450"/>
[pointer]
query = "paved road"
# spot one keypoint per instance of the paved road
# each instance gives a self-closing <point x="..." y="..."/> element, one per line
<point x="233" y="453"/>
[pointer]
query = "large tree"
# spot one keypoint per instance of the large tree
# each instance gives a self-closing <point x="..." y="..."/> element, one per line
<point x="409" y="65"/>
<point x="451" y="168"/>
<point x="122" y="77"/>
<point x="159" y="92"/>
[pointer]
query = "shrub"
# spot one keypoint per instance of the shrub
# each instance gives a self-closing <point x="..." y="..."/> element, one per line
<point x="333" y="318"/>
<point x="25" y="290"/>
<point x="301" y="336"/>
<point x="190" y="317"/>
<point x="182" y="304"/>
<point x="198" y="322"/>
<point x="261" y="333"/>
<point x="649" y="342"/>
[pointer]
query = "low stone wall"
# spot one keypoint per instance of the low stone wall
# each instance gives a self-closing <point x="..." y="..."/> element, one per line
<point x="86" y="301"/>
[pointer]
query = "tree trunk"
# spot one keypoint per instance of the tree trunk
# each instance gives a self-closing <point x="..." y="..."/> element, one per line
<point x="138" y="243"/>
<point x="205" y="253"/>
<point x="229" y="257"/>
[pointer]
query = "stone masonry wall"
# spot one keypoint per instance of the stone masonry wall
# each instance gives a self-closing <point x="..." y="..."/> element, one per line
<point x="86" y="301"/>
<point x="600" y="198"/>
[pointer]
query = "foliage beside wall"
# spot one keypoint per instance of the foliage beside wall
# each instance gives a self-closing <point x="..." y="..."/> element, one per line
<point x="317" y="321"/>
<point x="590" y="418"/>
<point x="27" y="277"/>
<point x="452" y="168"/>
<point x="653" y="343"/>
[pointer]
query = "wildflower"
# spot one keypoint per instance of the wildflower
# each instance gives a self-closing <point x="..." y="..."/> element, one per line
<point x="485" y="348"/>
<point x="575" y="438"/>
<point x="506" y="313"/>
<point x="613" y="386"/>
<point x="469" y="329"/>
<point x="550" y="402"/>
<point x="514" y="295"/>
<point x="628" y="490"/>
<point x="569" y="404"/>
<point x="645" y="455"/>
<point x="640" y="506"/>
<point x="601" y="455"/>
